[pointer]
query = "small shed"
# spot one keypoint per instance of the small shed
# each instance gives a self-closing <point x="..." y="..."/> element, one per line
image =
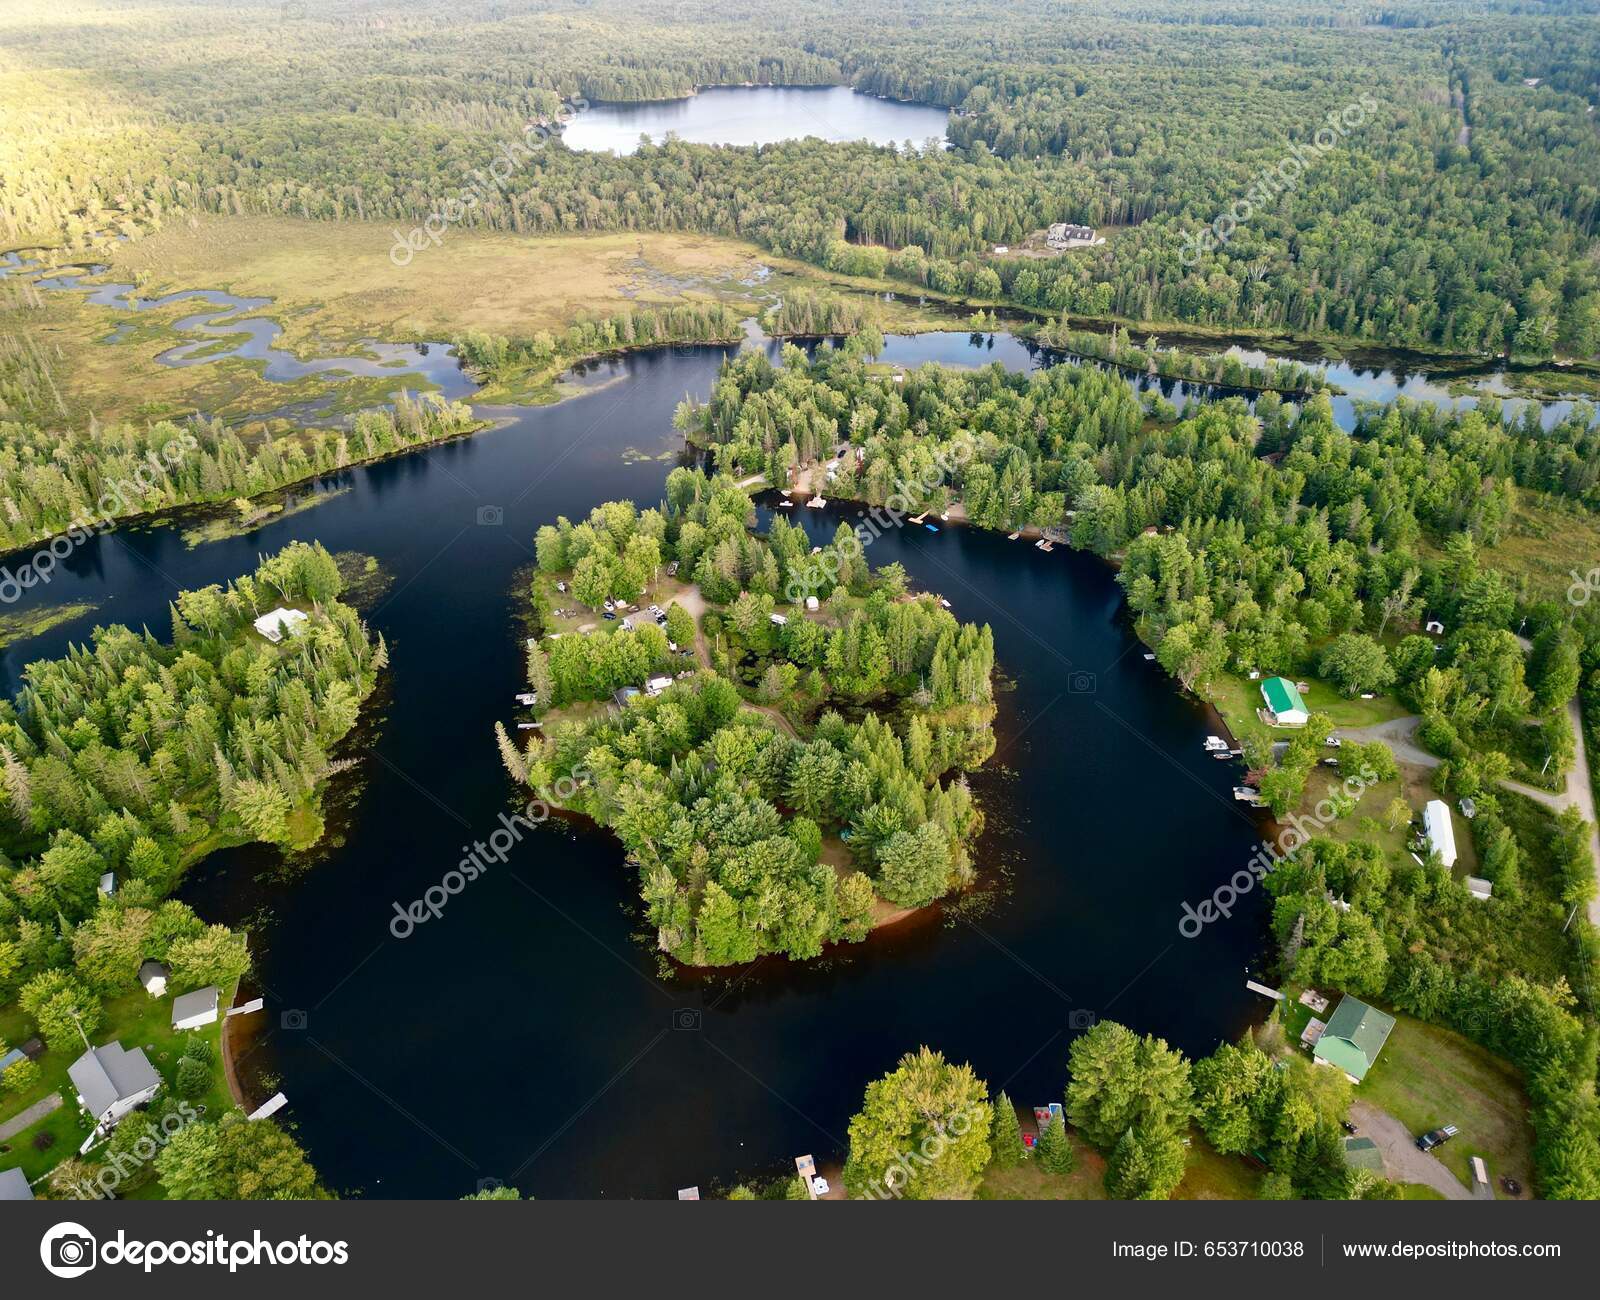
<point x="281" y="622"/>
<point x="108" y="884"/>
<point x="153" y="976"/>
<point x="779" y="620"/>
<point x="1441" y="834"/>
<point x="1478" y="887"/>
<point x="813" y="604"/>
<point x="194" y="1010"/>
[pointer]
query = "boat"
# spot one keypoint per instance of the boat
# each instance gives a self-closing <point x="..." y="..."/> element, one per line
<point x="943" y="603"/>
<point x="932" y="528"/>
<point x="1013" y="537"/>
<point x="529" y="726"/>
<point x="1215" y="743"/>
<point x="1149" y="658"/>
<point x="528" y="697"/>
<point x="1244" y="794"/>
<point x="786" y="504"/>
<point x="1043" y="545"/>
<point x="816" y="502"/>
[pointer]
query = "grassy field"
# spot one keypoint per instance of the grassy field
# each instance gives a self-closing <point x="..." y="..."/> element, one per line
<point x="135" y="1020"/>
<point x="1428" y="1076"/>
<point x="1542" y="544"/>
<point x="1237" y="699"/>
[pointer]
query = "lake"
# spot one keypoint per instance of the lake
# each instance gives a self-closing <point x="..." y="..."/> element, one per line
<point x="746" y="115"/>
<point x="531" y="1034"/>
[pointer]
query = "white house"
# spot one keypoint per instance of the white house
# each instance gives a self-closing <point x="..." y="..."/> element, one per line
<point x="1441" y="834"/>
<point x="655" y="685"/>
<point x="193" y="1010"/>
<point x="110" y="1082"/>
<point x="153" y="976"/>
<point x="278" y="622"/>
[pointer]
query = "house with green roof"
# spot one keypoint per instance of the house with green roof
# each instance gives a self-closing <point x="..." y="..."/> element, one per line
<point x="1355" y="1035"/>
<point x="1284" y="702"/>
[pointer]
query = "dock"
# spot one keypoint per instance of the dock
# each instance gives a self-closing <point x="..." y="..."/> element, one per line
<point x="1263" y="990"/>
<point x="816" y="502"/>
<point x="806" y="1168"/>
<point x="271" y="1106"/>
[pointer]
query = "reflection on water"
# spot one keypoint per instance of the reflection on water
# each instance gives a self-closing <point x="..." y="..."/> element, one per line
<point x="755" y="115"/>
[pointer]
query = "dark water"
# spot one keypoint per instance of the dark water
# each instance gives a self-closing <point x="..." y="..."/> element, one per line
<point x="756" y="115"/>
<point x="527" y="1033"/>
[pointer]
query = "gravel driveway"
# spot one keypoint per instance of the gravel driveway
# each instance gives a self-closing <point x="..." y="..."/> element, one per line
<point x="1402" y="1162"/>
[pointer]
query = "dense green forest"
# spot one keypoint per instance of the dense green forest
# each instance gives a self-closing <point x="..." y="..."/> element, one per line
<point x="1461" y="213"/>
<point x="750" y="835"/>
<point x="1275" y="540"/>
<point x="133" y="758"/>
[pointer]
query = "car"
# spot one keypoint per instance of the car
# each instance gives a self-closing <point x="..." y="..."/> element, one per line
<point x="610" y="615"/>
<point x="1349" y="1127"/>
<point x="1437" y="1138"/>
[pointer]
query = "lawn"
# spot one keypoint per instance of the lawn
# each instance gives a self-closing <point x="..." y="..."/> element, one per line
<point x="1237" y="699"/>
<point x="1541" y="542"/>
<point x="1428" y="1076"/>
<point x="1209" y="1177"/>
<point x="133" y="1019"/>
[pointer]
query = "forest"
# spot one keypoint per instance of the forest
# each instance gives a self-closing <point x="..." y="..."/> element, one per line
<point x="1274" y="540"/>
<point x="1460" y="216"/>
<point x="751" y="835"/>
<point x="129" y="760"/>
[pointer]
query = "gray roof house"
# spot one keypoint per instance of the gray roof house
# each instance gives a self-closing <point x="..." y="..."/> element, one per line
<point x="192" y="1010"/>
<point x="111" y="1081"/>
<point x="14" y="1186"/>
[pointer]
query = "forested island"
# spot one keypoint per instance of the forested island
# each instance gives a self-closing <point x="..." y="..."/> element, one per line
<point x="124" y="763"/>
<point x="784" y="769"/>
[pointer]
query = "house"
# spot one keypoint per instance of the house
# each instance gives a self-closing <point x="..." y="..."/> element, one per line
<point x="153" y="976"/>
<point x="1062" y="235"/>
<point x="1478" y="887"/>
<point x="193" y="1010"/>
<point x="279" y="622"/>
<point x="1363" y="1153"/>
<point x="655" y="685"/>
<point x="1355" y="1035"/>
<point x="108" y="884"/>
<point x="110" y="1082"/>
<point x="812" y="604"/>
<point x="14" y="1186"/>
<point x="1441" y="834"/>
<point x="1284" y="704"/>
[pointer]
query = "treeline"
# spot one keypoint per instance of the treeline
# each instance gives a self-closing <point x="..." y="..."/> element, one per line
<point x="55" y="482"/>
<point x="724" y="815"/>
<point x="496" y="356"/>
<point x="126" y="761"/>
<point x="1223" y="369"/>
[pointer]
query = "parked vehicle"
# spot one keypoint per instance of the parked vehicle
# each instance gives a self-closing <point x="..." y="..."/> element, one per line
<point x="1437" y="1138"/>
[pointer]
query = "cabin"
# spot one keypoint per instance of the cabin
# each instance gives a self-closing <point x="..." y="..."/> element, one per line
<point x="1353" y="1039"/>
<point x="108" y="884"/>
<point x="14" y="1186"/>
<point x="655" y="685"/>
<point x="1064" y="235"/>
<point x="1284" y="705"/>
<point x="1441" y="834"/>
<point x="195" y="1010"/>
<point x="110" y="1082"/>
<point x="1478" y="887"/>
<point x="281" y="622"/>
<point x="153" y="978"/>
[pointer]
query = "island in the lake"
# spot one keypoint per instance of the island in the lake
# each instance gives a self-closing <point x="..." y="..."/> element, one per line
<point x="777" y="733"/>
